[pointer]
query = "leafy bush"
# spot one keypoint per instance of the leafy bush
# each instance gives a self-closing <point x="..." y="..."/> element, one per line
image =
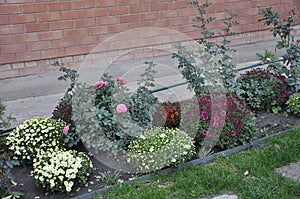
<point x="168" y="115"/>
<point x="294" y="103"/>
<point x="61" y="170"/>
<point x="36" y="136"/>
<point x="222" y="117"/>
<point x="63" y="111"/>
<point x="263" y="90"/>
<point x="158" y="148"/>
<point x="6" y="163"/>
<point x="283" y="28"/>
<point x="5" y="121"/>
<point x="110" y="116"/>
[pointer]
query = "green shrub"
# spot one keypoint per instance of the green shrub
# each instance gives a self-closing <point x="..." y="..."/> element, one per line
<point x="158" y="148"/>
<point x="63" y="111"/>
<point x="36" y="136"/>
<point x="294" y="104"/>
<point x="263" y="90"/>
<point x="61" y="170"/>
<point x="6" y="163"/>
<point x="108" y="116"/>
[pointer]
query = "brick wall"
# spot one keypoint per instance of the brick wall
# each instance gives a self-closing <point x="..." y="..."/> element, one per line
<point x="34" y="32"/>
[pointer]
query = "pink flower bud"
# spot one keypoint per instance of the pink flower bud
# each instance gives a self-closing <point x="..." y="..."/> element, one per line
<point x="66" y="130"/>
<point x="121" y="80"/>
<point x="100" y="84"/>
<point x="121" y="108"/>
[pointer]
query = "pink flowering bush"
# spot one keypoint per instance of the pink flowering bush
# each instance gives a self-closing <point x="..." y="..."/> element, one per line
<point x="263" y="90"/>
<point x="222" y="115"/>
<point x="115" y="105"/>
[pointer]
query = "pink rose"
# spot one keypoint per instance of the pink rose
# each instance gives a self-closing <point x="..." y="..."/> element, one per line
<point x="121" y="108"/>
<point x="121" y="80"/>
<point x="66" y="130"/>
<point x="100" y="84"/>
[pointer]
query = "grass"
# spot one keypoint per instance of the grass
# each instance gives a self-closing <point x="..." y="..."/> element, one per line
<point x="226" y="174"/>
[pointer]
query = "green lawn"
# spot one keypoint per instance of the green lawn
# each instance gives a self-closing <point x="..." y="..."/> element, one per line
<point x="226" y="174"/>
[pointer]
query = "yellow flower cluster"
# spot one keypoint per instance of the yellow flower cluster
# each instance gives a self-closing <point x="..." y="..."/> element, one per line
<point x="158" y="148"/>
<point x="61" y="169"/>
<point x="35" y="136"/>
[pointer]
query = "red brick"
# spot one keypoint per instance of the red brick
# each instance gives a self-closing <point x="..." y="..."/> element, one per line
<point x="248" y="12"/>
<point x="18" y="65"/>
<point x="49" y="16"/>
<point x="4" y="20"/>
<point x="188" y="12"/>
<point x="60" y="25"/>
<point x="74" y="33"/>
<point x="18" y="1"/>
<point x="77" y="50"/>
<point x="5" y="39"/>
<point x="147" y="1"/>
<point x="40" y="45"/>
<point x="4" y="59"/>
<point x="8" y="74"/>
<point x="59" y="6"/>
<point x="107" y="20"/>
<point x="138" y="8"/>
<point x="129" y="18"/>
<point x="149" y="16"/>
<point x="119" y="28"/>
<point x="106" y="3"/>
<point x="29" y="37"/>
<point x="32" y="8"/>
<point x="64" y="43"/>
<point x="10" y="9"/>
<point x="53" y="53"/>
<point x="83" y="4"/>
<point x="5" y="67"/>
<point x="7" y="29"/>
<point x="86" y="40"/>
<point x="28" y="56"/>
<point x="169" y="14"/>
<point x="158" y="6"/>
<point x="98" y="12"/>
<point x="85" y="22"/>
<point x="24" y="18"/>
<point x="249" y="28"/>
<point x="74" y="14"/>
<point x="177" y="4"/>
<point x="31" y="70"/>
<point x="120" y="10"/>
<point x="179" y="21"/>
<point x="9" y="49"/>
<point x="50" y="35"/>
<point x="161" y="23"/>
<point x="97" y="30"/>
<point x="37" y="27"/>
<point x="141" y="24"/>
<point x="127" y="2"/>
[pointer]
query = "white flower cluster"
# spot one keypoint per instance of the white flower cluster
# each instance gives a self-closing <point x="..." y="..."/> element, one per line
<point x="35" y="136"/>
<point x="159" y="148"/>
<point x="59" y="170"/>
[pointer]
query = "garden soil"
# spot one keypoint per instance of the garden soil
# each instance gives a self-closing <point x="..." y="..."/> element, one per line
<point x="268" y="123"/>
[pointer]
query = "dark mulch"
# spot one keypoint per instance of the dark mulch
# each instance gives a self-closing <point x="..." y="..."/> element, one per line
<point x="268" y="123"/>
